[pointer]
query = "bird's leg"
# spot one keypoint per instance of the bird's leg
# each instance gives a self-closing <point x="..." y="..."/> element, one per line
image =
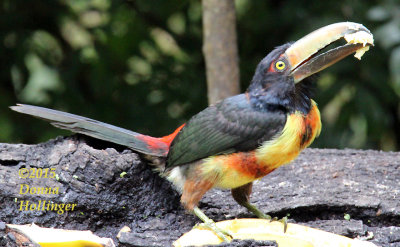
<point x="209" y="223"/>
<point x="242" y="196"/>
<point x="193" y="191"/>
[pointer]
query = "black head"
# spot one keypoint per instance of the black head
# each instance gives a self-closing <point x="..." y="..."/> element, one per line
<point x="273" y="87"/>
<point x="281" y="81"/>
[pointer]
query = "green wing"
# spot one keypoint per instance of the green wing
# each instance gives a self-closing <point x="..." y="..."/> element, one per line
<point x="231" y="125"/>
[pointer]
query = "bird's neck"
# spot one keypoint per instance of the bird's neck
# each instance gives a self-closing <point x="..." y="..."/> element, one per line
<point x="303" y="94"/>
<point x="288" y="98"/>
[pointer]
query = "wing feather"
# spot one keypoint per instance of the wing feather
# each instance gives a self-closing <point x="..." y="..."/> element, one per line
<point x="231" y="125"/>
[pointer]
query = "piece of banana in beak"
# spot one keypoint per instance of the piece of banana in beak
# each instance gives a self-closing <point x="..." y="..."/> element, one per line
<point x="360" y="37"/>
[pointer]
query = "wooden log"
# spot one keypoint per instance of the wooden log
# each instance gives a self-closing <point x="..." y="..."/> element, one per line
<point x="114" y="187"/>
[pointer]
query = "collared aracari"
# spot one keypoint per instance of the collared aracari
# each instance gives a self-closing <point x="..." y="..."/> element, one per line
<point x="241" y="138"/>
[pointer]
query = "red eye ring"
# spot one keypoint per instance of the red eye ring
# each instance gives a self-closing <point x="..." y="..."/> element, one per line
<point x="271" y="68"/>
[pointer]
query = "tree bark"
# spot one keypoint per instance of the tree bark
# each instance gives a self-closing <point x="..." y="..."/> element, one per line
<point x="317" y="189"/>
<point x="220" y="49"/>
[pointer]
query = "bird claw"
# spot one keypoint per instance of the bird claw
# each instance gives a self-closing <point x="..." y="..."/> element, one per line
<point x="284" y="221"/>
<point x="225" y="235"/>
<point x="252" y="208"/>
<point x="268" y="217"/>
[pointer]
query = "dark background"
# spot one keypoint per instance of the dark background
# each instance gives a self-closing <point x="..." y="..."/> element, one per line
<point x="139" y="64"/>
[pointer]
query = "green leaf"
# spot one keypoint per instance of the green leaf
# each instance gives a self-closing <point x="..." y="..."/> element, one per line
<point x="378" y="13"/>
<point x="388" y="34"/>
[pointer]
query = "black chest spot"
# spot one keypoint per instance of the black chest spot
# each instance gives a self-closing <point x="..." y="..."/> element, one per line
<point x="306" y="136"/>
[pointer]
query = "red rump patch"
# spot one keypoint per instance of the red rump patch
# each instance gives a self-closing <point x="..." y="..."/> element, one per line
<point x="169" y="138"/>
<point x="161" y="143"/>
<point x="152" y="142"/>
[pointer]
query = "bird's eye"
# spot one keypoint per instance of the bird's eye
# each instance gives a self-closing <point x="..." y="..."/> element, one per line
<point x="280" y="65"/>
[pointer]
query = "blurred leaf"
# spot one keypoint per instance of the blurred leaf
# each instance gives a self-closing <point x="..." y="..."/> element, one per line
<point x="395" y="69"/>
<point x="378" y="13"/>
<point x="194" y="11"/>
<point x="42" y="80"/>
<point x="92" y="19"/>
<point x="89" y="55"/>
<point x="82" y="5"/>
<point x="332" y="110"/>
<point x="155" y="97"/>
<point x="6" y="129"/>
<point x="388" y="34"/>
<point x="139" y="66"/>
<point x="167" y="44"/>
<point x="359" y="126"/>
<point x="149" y="51"/>
<point x="177" y="23"/>
<point x="75" y="34"/>
<point x="46" y="46"/>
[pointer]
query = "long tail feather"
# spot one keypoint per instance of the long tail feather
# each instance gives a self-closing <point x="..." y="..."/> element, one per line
<point x="138" y="142"/>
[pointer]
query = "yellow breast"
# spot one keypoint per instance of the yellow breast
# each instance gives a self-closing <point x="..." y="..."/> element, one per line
<point x="237" y="169"/>
<point x="299" y="132"/>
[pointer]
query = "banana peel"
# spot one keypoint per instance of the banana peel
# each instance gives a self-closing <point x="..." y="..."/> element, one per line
<point x="261" y="229"/>
<point x="50" y="237"/>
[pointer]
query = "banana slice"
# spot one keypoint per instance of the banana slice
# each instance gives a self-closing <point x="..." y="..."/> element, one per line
<point x="49" y="237"/>
<point x="259" y="229"/>
<point x="360" y="37"/>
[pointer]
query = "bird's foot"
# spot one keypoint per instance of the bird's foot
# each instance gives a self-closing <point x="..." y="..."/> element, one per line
<point x="226" y="236"/>
<point x="252" y="208"/>
<point x="284" y="221"/>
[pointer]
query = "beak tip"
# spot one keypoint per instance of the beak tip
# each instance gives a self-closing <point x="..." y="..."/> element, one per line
<point x="357" y="36"/>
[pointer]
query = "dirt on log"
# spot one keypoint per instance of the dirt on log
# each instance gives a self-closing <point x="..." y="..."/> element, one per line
<point x="113" y="187"/>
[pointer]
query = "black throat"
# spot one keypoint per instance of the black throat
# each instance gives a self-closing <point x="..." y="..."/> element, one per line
<point x="277" y="95"/>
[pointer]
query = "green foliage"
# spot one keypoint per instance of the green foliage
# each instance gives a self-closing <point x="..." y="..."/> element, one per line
<point x="138" y="64"/>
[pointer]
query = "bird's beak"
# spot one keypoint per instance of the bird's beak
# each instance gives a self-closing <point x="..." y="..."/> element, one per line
<point x="303" y="55"/>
